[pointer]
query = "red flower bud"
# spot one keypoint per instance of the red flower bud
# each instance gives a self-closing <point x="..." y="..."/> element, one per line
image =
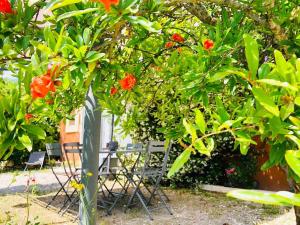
<point x="113" y="91"/>
<point x="177" y="38"/>
<point x="169" y="44"/>
<point x="208" y="44"/>
<point x="128" y="82"/>
<point x="28" y="116"/>
<point x="57" y="83"/>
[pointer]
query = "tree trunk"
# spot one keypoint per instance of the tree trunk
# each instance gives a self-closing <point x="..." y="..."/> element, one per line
<point x="90" y="160"/>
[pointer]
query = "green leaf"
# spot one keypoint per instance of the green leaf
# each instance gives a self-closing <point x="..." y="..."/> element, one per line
<point x="93" y="56"/>
<point x="278" y="84"/>
<point x="76" y="13"/>
<point x="190" y="129"/>
<point x="244" y="146"/>
<point x="259" y="197"/>
<point x="66" y="80"/>
<point x="294" y="139"/>
<point x="200" y="122"/>
<point x="62" y="3"/>
<point x="265" y="100"/>
<point x="222" y="74"/>
<point x="25" y="140"/>
<point x="292" y="158"/>
<point x="224" y="116"/>
<point x="59" y="40"/>
<point x="295" y="121"/>
<point x="49" y="37"/>
<point x="180" y="161"/>
<point x="297" y="101"/>
<point x="210" y="144"/>
<point x="276" y="156"/>
<point x="35" y="130"/>
<point x="252" y="54"/>
<point x="87" y="35"/>
<point x="264" y="70"/>
<point x="199" y="145"/>
<point x="150" y="26"/>
<point x="281" y="63"/>
<point x="286" y="110"/>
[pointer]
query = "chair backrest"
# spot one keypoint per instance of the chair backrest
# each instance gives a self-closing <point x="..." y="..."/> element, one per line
<point x="136" y="146"/>
<point x="73" y="153"/>
<point x="106" y="160"/>
<point x="157" y="155"/>
<point x="53" y="149"/>
<point x="156" y="146"/>
<point x="36" y="158"/>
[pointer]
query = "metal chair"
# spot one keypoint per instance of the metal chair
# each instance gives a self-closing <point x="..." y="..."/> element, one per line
<point x="35" y="159"/>
<point x="72" y="167"/>
<point x="152" y="173"/>
<point x="109" y="168"/>
<point x="54" y="150"/>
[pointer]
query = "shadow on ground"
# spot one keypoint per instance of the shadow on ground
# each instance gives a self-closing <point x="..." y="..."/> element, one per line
<point x="201" y="208"/>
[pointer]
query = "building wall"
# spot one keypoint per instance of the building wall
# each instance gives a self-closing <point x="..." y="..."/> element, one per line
<point x="71" y="136"/>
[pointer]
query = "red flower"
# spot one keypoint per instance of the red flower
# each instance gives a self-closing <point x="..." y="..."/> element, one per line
<point x="5" y="7"/>
<point x="128" y="82"/>
<point x="169" y="44"/>
<point x="208" y="44"/>
<point x="108" y="3"/>
<point x="40" y="86"/>
<point x="113" y="91"/>
<point x="230" y="171"/>
<point x="177" y="38"/>
<point x="28" y="116"/>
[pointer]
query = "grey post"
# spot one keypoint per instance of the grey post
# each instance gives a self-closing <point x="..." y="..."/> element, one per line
<point x="90" y="160"/>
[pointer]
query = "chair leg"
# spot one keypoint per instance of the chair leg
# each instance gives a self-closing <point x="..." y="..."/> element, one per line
<point x="164" y="202"/>
<point x="61" y="189"/>
<point x="66" y="201"/>
<point x="144" y="205"/>
<point x="76" y="199"/>
<point x="136" y="191"/>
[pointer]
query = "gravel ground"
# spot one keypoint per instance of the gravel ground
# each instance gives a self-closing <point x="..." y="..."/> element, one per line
<point x="201" y="208"/>
<point x="189" y="207"/>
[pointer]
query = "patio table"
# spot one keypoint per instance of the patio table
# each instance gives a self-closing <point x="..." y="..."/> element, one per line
<point x="105" y="170"/>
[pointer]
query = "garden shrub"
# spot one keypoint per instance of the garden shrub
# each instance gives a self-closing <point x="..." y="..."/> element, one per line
<point x="226" y="166"/>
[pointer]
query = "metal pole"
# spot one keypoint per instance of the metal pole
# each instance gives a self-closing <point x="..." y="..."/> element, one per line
<point x="90" y="160"/>
<point x="112" y="127"/>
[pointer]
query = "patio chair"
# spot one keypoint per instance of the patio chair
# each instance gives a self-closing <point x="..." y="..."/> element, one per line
<point x="153" y="174"/>
<point x="35" y="159"/>
<point x="72" y="168"/>
<point x="54" y="151"/>
<point x="109" y="168"/>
